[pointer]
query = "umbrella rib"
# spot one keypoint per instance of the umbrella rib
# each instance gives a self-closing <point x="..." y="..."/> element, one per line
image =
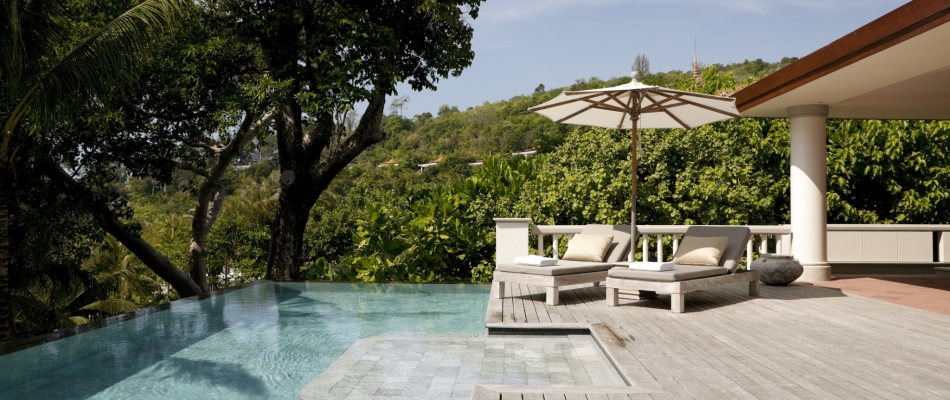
<point x="538" y="108"/>
<point x="647" y="94"/>
<point x="602" y="106"/>
<point x="734" y="115"/>
<point x="659" y="105"/>
<point x="652" y="109"/>
<point x="624" y="116"/>
<point x="705" y="96"/>
<point x="668" y="97"/>
<point x="574" y="114"/>
<point x="617" y="99"/>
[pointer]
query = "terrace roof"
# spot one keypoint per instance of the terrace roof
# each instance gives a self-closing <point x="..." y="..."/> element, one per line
<point x="896" y="67"/>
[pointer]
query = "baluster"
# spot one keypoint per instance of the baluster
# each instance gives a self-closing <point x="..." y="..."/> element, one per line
<point x="763" y="244"/>
<point x="780" y="244"/>
<point x="646" y="247"/>
<point x="557" y="248"/>
<point x="676" y="243"/>
<point x="659" y="247"/>
<point x="748" y="255"/>
<point x="541" y="245"/>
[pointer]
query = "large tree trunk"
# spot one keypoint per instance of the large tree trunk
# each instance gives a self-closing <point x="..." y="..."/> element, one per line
<point x="154" y="260"/>
<point x="7" y="327"/>
<point x="306" y="173"/>
<point x="205" y="214"/>
<point x="286" y="243"/>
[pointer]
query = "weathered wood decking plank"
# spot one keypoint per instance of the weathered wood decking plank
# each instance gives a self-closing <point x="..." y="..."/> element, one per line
<point x="669" y="360"/>
<point x="519" y="301"/>
<point x="508" y="304"/>
<point x="746" y="369"/>
<point x="537" y="298"/>
<point x="531" y="313"/>
<point x="854" y="338"/>
<point x="757" y="355"/>
<point x="795" y="342"/>
<point x="854" y="378"/>
<point x="696" y="354"/>
<point x="794" y="358"/>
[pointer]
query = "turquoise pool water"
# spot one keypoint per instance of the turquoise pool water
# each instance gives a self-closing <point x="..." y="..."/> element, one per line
<point x="264" y="341"/>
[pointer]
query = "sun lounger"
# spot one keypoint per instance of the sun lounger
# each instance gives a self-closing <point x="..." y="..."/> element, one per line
<point x="688" y="278"/>
<point x="566" y="272"/>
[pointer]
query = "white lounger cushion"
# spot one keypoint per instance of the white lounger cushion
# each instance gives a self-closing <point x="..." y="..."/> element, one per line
<point x="695" y="250"/>
<point x="677" y="274"/>
<point x="586" y="247"/>
<point x="564" y="267"/>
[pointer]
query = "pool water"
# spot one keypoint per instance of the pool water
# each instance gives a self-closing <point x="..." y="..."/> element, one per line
<point x="264" y="341"/>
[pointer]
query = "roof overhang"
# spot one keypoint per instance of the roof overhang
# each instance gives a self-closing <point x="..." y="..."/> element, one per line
<point x="897" y="67"/>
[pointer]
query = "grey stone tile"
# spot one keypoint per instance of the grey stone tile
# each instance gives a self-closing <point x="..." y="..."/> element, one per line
<point x="440" y="368"/>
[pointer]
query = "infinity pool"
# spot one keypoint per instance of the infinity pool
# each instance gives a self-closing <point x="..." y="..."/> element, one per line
<point x="264" y="341"/>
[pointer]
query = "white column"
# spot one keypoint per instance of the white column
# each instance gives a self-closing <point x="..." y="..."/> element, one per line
<point x="809" y="208"/>
<point x="511" y="238"/>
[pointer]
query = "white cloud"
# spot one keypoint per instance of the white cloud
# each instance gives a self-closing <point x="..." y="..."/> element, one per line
<point x="528" y="9"/>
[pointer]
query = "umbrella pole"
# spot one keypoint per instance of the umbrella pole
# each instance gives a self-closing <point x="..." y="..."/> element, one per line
<point x="634" y="119"/>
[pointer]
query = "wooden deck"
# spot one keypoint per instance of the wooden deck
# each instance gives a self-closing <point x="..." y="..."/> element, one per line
<point x="800" y="341"/>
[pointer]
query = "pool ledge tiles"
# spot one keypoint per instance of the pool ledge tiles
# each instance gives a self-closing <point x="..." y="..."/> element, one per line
<point x="395" y="368"/>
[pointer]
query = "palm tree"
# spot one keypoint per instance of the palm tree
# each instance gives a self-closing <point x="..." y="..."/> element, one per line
<point x="40" y="85"/>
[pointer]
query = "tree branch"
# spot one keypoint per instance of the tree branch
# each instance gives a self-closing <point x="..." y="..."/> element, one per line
<point x="192" y="168"/>
<point x="212" y="192"/>
<point x="367" y="133"/>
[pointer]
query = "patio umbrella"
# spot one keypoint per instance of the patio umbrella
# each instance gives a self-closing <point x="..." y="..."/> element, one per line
<point x="635" y="105"/>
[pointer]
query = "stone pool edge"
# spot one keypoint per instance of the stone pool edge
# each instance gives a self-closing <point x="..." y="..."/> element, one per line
<point x="609" y="343"/>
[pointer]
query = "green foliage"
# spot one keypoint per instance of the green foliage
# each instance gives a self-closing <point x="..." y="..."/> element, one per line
<point x="443" y="233"/>
<point x="888" y="172"/>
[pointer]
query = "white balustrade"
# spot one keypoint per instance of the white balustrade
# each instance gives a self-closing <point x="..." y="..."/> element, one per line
<point x="774" y="239"/>
<point x="780" y="235"/>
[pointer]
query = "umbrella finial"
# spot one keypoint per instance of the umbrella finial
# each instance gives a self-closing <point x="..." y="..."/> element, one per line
<point x="634" y="75"/>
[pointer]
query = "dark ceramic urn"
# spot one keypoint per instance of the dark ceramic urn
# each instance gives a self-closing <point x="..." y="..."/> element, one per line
<point x="777" y="269"/>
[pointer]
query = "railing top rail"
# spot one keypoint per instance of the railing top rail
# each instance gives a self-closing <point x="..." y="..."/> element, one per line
<point x="556" y="229"/>
<point x="756" y="229"/>
<point x="890" y="227"/>
<point x="654" y="229"/>
<point x="511" y="219"/>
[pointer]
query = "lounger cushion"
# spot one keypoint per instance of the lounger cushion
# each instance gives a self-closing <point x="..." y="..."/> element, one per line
<point x="586" y="247"/>
<point x="678" y="273"/>
<point x="619" y="247"/>
<point x="697" y="250"/>
<point x="738" y="237"/>
<point x="563" y="267"/>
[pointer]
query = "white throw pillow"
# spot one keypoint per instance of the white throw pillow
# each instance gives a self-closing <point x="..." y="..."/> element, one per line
<point x="695" y="250"/>
<point x="588" y="247"/>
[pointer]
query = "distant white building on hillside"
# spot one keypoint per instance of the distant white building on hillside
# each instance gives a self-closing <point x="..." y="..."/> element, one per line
<point x="431" y="163"/>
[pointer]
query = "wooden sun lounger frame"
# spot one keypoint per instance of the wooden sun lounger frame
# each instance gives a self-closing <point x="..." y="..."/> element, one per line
<point x="678" y="290"/>
<point x="515" y="244"/>
<point x="551" y="283"/>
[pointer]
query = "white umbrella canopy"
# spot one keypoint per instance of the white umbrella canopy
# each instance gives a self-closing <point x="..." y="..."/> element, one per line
<point x="635" y="105"/>
<point x="657" y="107"/>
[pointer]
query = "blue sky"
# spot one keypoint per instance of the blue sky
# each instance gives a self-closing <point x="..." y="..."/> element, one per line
<point x="522" y="43"/>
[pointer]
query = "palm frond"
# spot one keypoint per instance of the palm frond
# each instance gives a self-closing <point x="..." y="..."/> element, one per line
<point x="29" y="33"/>
<point x="107" y="59"/>
<point x="112" y="306"/>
